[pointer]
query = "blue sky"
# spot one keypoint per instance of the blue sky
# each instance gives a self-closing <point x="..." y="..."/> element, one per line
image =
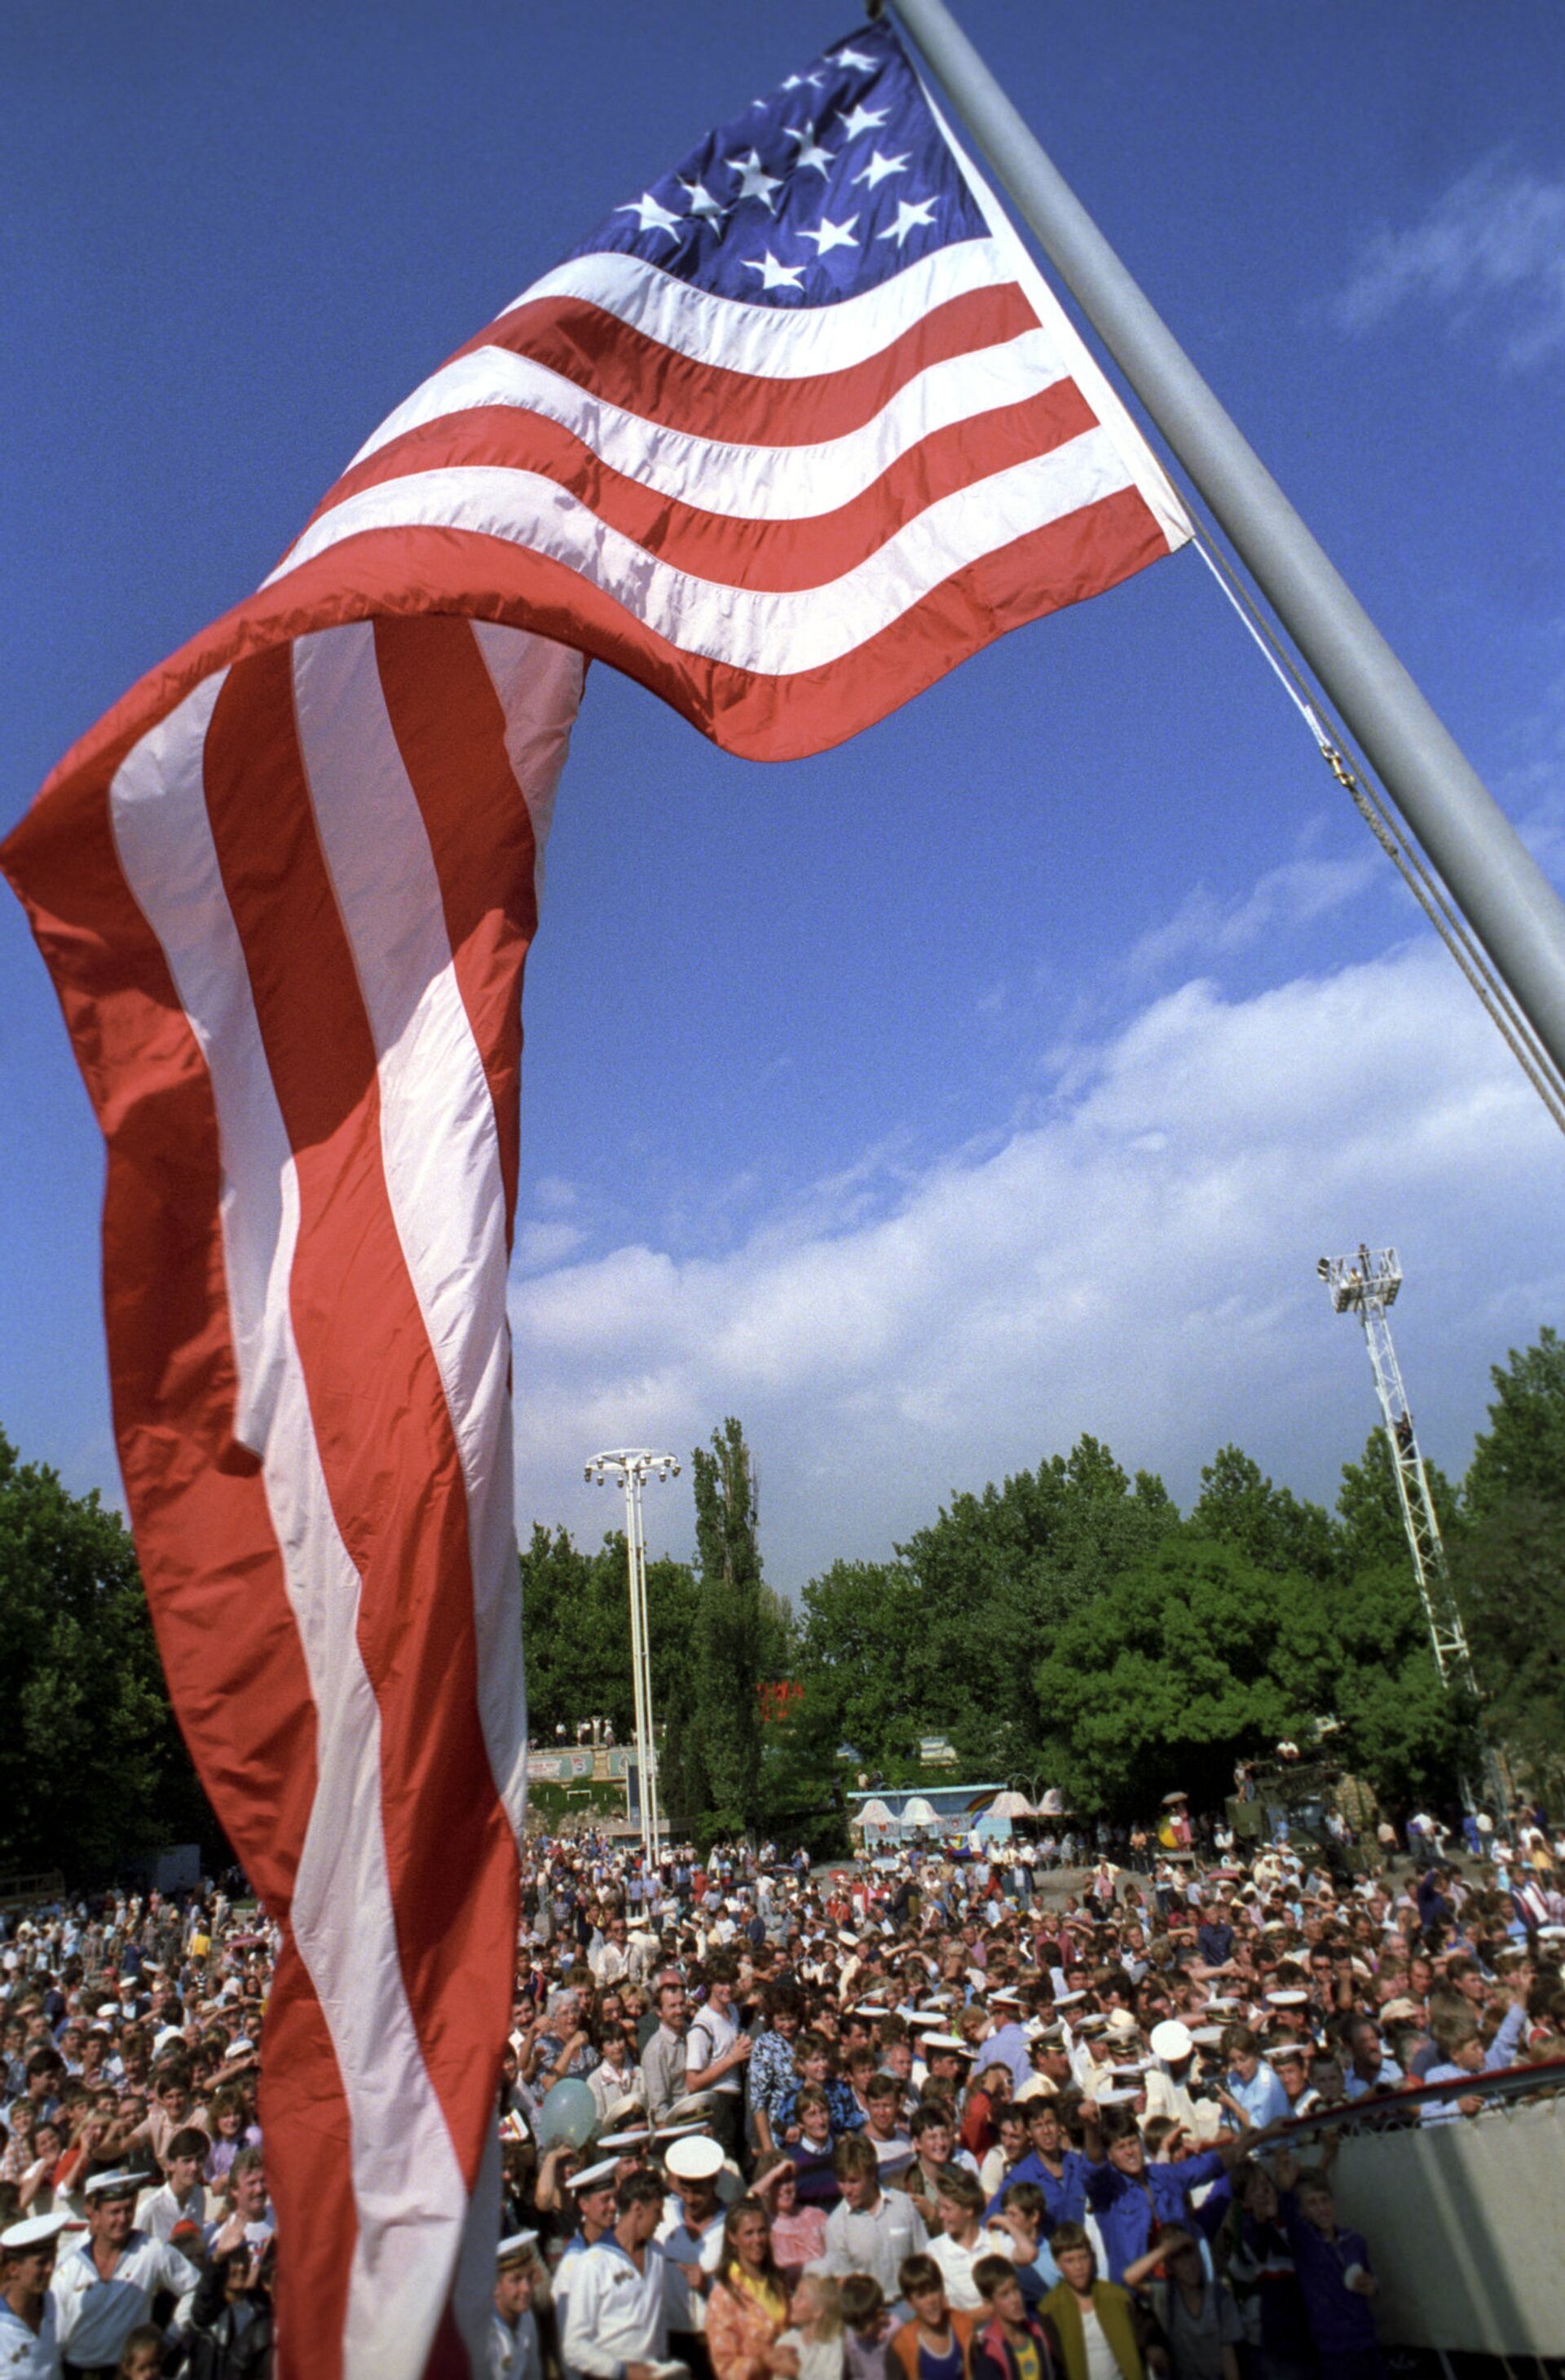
<point x="1001" y="1075"/>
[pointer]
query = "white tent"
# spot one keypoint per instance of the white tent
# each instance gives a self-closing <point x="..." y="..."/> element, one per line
<point x="874" y="1814"/>
<point x="920" y="1813"/>
<point x="1010" y="1804"/>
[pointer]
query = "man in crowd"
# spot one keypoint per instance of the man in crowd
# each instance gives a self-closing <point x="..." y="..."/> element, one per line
<point x="717" y="2052"/>
<point x="105" y="2288"/>
<point x="616" y="2328"/>
<point x="664" y="2059"/>
<point x="29" y="2344"/>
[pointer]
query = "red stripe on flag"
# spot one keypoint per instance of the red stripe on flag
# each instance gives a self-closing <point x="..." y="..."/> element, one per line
<point x="451" y="732"/>
<point x="308" y="2176"/>
<point x="776" y="556"/>
<point x="598" y="351"/>
<point x="381" y="1426"/>
<point x="403" y="573"/>
<point x="209" y="1558"/>
<point x="756" y="716"/>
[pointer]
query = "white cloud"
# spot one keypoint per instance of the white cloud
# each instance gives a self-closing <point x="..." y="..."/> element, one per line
<point x="1293" y="894"/>
<point x="1495" y="236"/>
<point x="541" y="1244"/>
<point x="1135" y="1259"/>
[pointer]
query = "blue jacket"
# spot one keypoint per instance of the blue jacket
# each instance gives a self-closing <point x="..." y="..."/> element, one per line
<point x="1128" y="2206"/>
<point x="1341" y="2320"/>
<point x="1065" y="2199"/>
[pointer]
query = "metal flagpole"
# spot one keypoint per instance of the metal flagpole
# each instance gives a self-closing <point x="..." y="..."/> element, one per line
<point x="1507" y="899"/>
<point x="632" y="1466"/>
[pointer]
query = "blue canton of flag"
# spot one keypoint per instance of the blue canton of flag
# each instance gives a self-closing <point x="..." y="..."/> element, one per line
<point x="828" y="186"/>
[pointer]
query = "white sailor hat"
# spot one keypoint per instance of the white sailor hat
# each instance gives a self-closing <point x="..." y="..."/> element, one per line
<point x="34" y="2231"/>
<point x="620" y="2142"/>
<point x="696" y="2158"/>
<point x="594" y="2177"/>
<point x="516" y="2245"/>
<point x="114" y="2185"/>
<point x="948" y="2042"/>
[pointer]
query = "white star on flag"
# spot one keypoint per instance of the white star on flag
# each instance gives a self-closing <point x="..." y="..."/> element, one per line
<point x="652" y="215"/>
<point x="854" y="59"/>
<point x="864" y="119"/>
<point x="810" y="150"/>
<point x="798" y="82"/>
<point x="829" y="235"/>
<point x="755" y="182"/>
<point x="774" y="275"/>
<point x="881" y="167"/>
<point x="911" y="214"/>
<point x="702" y="203"/>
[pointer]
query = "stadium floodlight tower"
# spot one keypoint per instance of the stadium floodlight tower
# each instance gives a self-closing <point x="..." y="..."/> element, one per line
<point x="632" y="1466"/>
<point x="1366" y="1284"/>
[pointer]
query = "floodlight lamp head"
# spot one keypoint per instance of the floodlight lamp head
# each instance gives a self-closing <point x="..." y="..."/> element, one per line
<point x="1323" y="1267"/>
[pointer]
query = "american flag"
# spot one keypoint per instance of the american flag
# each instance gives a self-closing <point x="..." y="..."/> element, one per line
<point x="797" y="429"/>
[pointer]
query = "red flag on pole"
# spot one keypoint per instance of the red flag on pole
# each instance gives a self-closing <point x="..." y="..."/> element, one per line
<point x="798" y="429"/>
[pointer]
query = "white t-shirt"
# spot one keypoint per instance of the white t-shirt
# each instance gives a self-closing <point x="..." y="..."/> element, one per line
<point x="1102" y="2364"/>
<point x="956" y="2264"/>
<point x="711" y="2037"/>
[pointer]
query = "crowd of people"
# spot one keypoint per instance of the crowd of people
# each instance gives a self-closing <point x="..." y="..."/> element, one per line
<point x="919" y="2118"/>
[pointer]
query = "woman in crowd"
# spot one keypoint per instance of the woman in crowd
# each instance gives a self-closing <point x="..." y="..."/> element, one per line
<point x="747" y="2310"/>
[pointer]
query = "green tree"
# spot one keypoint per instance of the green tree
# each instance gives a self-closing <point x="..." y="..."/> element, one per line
<point x="997" y="1575"/>
<point x="1238" y="1506"/>
<point x="737" y="1634"/>
<point x="857" y="1623"/>
<point x="1523" y="1451"/>
<point x="576" y="1630"/>
<point x="1509" y="1574"/>
<point x="575" y="1634"/>
<point x="1402" y="1728"/>
<point x="1181" y="1664"/>
<point x="92" y="1769"/>
<point x="1370" y="1510"/>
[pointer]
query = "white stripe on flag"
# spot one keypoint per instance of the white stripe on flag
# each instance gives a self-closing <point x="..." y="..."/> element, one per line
<point x="775" y="635"/>
<point x="438" y="1144"/>
<point x="747" y="483"/>
<point x="771" y="342"/>
<point x="539" y="686"/>
<point x="407" y="2181"/>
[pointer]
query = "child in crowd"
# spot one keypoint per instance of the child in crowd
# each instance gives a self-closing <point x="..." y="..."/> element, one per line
<point x="1009" y="2343"/>
<point x="141" y="2356"/>
<point x="1018" y="2230"/>
<point x="811" y="2152"/>
<point x="932" y="2344"/>
<point x="868" y="2327"/>
<point x="1100" y="2327"/>
<point x="1332" y="2265"/>
<point x="798" y="2233"/>
<point x="815" y="2332"/>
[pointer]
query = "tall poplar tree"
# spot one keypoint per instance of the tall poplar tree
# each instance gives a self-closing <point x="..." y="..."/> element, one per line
<point x="736" y="1629"/>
